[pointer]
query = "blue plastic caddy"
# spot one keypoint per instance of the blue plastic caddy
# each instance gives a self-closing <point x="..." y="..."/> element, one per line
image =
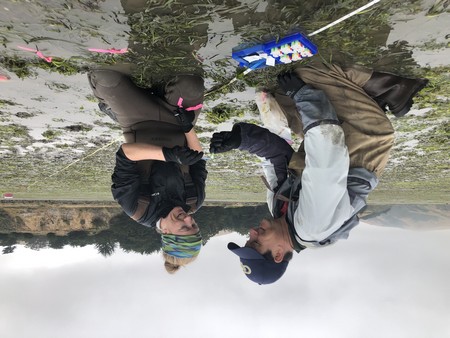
<point x="286" y="50"/>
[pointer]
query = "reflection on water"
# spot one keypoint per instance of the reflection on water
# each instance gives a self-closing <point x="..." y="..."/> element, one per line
<point x="56" y="225"/>
<point x="107" y="227"/>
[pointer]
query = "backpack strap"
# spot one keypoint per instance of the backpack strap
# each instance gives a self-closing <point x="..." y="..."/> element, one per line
<point x="276" y="195"/>
<point x="143" y="202"/>
<point x="191" y="192"/>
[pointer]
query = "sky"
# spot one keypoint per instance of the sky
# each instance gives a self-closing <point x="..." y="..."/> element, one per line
<point x="381" y="282"/>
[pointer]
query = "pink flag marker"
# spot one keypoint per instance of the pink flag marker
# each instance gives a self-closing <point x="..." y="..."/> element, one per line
<point x="110" y="51"/>
<point x="38" y="53"/>
<point x="180" y="104"/>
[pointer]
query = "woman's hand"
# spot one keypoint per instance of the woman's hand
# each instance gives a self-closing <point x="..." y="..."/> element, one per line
<point x="182" y="155"/>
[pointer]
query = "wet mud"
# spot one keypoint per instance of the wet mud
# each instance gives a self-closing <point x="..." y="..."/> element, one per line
<point x="49" y="119"/>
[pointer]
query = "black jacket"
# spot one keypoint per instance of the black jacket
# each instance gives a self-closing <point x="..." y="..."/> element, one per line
<point x="166" y="187"/>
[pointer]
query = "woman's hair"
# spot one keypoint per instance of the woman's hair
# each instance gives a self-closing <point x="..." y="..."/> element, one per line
<point x="180" y="250"/>
<point x="173" y="264"/>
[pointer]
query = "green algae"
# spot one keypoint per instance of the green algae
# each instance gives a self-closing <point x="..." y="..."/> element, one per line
<point x="164" y="38"/>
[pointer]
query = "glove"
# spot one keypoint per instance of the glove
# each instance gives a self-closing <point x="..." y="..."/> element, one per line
<point x="290" y="83"/>
<point x="225" y="140"/>
<point x="181" y="155"/>
<point x="186" y="118"/>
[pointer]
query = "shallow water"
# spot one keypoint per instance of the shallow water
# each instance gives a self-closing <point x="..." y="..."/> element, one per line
<point x="47" y="108"/>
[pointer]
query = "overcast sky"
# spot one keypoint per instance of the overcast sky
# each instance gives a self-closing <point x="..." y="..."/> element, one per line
<point x="382" y="282"/>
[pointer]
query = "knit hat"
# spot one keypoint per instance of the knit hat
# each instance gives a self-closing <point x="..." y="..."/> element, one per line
<point x="182" y="246"/>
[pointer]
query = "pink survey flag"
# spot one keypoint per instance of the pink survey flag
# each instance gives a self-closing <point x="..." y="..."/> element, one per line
<point x="37" y="52"/>
<point x="109" y="51"/>
<point x="180" y="104"/>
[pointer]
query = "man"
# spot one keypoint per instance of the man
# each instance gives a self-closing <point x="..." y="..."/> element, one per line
<point x="315" y="194"/>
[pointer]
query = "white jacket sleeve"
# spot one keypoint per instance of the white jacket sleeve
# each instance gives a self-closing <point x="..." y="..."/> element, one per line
<point x="324" y="203"/>
<point x="271" y="177"/>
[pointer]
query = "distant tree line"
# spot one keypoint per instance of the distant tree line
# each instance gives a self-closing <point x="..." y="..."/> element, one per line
<point x="130" y="236"/>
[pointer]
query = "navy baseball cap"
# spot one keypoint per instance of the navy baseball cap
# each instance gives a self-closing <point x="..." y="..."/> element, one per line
<point x="257" y="268"/>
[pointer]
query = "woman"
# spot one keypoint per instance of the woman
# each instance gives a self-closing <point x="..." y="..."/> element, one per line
<point x="159" y="177"/>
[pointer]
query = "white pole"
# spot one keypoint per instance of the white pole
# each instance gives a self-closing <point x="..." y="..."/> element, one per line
<point x="345" y="17"/>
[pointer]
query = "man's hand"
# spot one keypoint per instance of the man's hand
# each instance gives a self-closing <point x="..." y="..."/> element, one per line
<point x="225" y="140"/>
<point x="181" y="155"/>
<point x="290" y="83"/>
<point x="186" y="118"/>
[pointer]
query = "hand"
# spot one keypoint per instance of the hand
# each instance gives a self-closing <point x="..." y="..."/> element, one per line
<point x="186" y="118"/>
<point x="225" y="140"/>
<point x="290" y="83"/>
<point x="181" y="155"/>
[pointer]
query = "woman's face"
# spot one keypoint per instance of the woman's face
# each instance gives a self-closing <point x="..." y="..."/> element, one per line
<point x="178" y="222"/>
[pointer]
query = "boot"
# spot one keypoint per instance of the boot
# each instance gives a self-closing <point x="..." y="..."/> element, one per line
<point x="393" y="91"/>
<point x="107" y="110"/>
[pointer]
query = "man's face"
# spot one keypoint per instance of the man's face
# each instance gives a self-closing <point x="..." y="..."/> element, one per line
<point x="262" y="238"/>
<point x="178" y="222"/>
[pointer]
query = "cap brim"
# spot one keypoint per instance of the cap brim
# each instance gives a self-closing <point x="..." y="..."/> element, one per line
<point x="244" y="252"/>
